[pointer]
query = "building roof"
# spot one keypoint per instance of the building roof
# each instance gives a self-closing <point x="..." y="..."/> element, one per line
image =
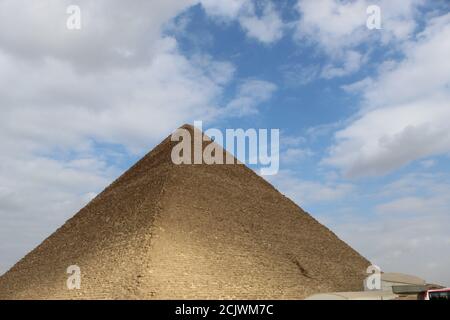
<point x="358" y="295"/>
<point x="402" y="278"/>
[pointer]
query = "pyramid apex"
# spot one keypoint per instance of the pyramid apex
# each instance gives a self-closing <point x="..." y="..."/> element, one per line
<point x="187" y="126"/>
<point x="191" y="128"/>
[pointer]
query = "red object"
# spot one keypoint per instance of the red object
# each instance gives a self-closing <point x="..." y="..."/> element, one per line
<point x="436" y="294"/>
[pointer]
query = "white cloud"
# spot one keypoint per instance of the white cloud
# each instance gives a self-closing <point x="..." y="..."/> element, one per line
<point x="398" y="19"/>
<point x="424" y="71"/>
<point x="351" y="63"/>
<point x="332" y="24"/>
<point x="427" y="164"/>
<point x="296" y="75"/>
<point x="405" y="110"/>
<point x="291" y="141"/>
<point x="40" y="31"/>
<point x="425" y="184"/>
<point x="408" y="245"/>
<point x="224" y="8"/>
<point x="409" y="232"/>
<point x="358" y="86"/>
<point x="337" y="25"/>
<point x="307" y="192"/>
<point x="250" y="95"/>
<point x="123" y="106"/>
<point x="321" y="130"/>
<point x="295" y="155"/>
<point x="339" y="28"/>
<point x="37" y="194"/>
<point x="388" y="138"/>
<point x="265" y="26"/>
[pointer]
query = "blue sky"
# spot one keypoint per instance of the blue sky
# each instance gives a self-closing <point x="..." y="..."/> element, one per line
<point x="365" y="141"/>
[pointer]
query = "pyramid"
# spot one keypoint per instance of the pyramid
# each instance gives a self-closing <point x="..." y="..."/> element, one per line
<point x="166" y="231"/>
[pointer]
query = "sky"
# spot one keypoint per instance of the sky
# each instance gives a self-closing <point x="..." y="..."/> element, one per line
<point x="363" y="113"/>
